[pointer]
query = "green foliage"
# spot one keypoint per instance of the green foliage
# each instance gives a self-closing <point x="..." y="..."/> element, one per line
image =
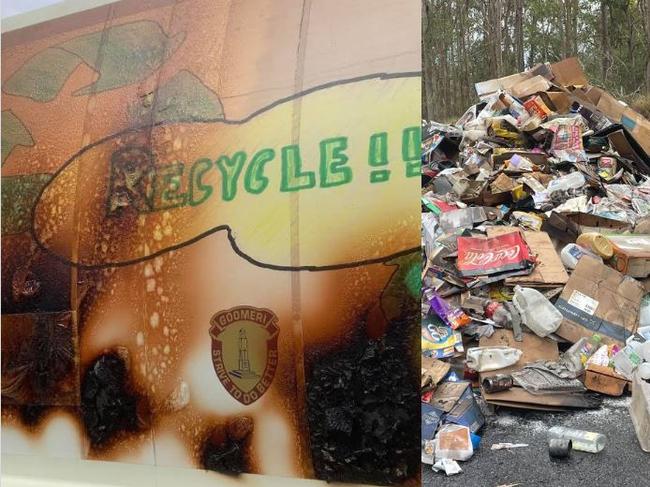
<point x="466" y="41"/>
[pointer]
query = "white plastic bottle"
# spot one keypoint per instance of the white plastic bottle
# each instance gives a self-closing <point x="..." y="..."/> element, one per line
<point x="537" y="312"/>
<point x="572" y="180"/>
<point x="581" y="440"/>
<point x="572" y="253"/>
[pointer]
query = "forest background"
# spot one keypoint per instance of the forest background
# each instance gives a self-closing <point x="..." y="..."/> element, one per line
<point x="466" y="41"/>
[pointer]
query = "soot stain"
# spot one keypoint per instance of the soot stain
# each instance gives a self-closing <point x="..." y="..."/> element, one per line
<point x="39" y="363"/>
<point x="31" y="415"/>
<point x="32" y="279"/>
<point x="226" y="449"/>
<point x="363" y="404"/>
<point x="110" y="406"/>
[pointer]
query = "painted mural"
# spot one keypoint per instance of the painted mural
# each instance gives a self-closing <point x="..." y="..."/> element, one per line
<point x="210" y="237"/>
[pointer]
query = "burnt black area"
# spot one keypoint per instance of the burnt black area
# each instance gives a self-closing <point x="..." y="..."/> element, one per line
<point x="32" y="281"/>
<point x="228" y="458"/>
<point x="38" y="363"/>
<point x="362" y="404"/>
<point x="51" y="354"/>
<point x="32" y="414"/>
<point x="108" y="405"/>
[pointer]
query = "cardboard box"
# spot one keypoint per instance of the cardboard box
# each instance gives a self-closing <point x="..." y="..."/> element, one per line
<point x="548" y="270"/>
<point x="631" y="254"/>
<point x="430" y="420"/>
<point x="568" y="72"/>
<point x="560" y="101"/>
<point x="638" y="126"/>
<point x="603" y="379"/>
<point x="599" y="299"/>
<point x="530" y="87"/>
<point x="466" y="411"/>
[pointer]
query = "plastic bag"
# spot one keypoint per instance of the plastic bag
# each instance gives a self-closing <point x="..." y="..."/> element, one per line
<point x="453" y="442"/>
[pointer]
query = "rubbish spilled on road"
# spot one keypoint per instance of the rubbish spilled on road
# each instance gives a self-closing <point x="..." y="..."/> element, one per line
<point x="536" y="275"/>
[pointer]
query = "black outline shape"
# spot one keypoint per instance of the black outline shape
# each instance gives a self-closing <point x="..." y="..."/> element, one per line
<point x="231" y="238"/>
<point x="10" y="111"/>
<point x="92" y="68"/>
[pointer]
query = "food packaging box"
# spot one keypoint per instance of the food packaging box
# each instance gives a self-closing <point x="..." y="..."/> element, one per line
<point x="605" y="380"/>
<point x="631" y="254"/>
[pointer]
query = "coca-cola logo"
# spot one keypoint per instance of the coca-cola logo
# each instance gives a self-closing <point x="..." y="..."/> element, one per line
<point x="482" y="258"/>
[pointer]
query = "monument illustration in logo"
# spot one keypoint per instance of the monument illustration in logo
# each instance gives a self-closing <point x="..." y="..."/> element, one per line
<point x="244" y="371"/>
<point x="245" y="351"/>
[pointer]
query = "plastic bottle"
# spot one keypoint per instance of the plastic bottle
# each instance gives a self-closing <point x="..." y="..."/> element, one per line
<point x="581" y="440"/>
<point x="597" y="243"/>
<point x="644" y="312"/>
<point x="580" y="351"/>
<point x="572" y="253"/>
<point x="574" y="180"/>
<point x="537" y="312"/>
<point x="588" y="347"/>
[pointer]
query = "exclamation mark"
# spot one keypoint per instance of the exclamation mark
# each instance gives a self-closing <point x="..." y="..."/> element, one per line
<point x="411" y="150"/>
<point x="378" y="157"/>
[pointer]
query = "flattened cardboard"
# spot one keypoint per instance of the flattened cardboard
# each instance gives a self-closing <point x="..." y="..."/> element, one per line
<point x="559" y="100"/>
<point x="466" y="412"/>
<point x="610" y="106"/>
<point x="433" y="370"/>
<point x="486" y="88"/>
<point x="549" y="269"/>
<point x="534" y="348"/>
<point x="530" y="87"/>
<point x="448" y="394"/>
<point x="568" y="72"/>
<point x="620" y="142"/>
<point x="599" y="299"/>
<point x="638" y="126"/>
<point x="430" y="420"/>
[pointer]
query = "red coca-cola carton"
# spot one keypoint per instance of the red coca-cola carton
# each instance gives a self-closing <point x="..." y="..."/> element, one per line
<point x="482" y="256"/>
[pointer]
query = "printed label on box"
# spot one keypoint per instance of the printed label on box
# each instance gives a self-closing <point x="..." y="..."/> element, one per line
<point x="583" y="302"/>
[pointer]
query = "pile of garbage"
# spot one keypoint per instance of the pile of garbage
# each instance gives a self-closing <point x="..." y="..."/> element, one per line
<point x="536" y="237"/>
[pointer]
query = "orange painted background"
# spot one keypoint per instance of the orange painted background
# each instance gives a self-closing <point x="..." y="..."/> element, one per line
<point x="332" y="264"/>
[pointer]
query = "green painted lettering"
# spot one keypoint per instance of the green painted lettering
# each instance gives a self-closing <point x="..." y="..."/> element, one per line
<point x="293" y="178"/>
<point x="378" y="156"/>
<point x="254" y="180"/>
<point x="167" y="185"/>
<point x="199" y="168"/>
<point x="230" y="170"/>
<point x="333" y="160"/>
<point x="411" y="147"/>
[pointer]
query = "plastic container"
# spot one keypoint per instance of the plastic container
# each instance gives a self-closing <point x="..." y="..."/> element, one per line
<point x="626" y="361"/>
<point x="537" y="312"/>
<point x="597" y="243"/>
<point x="574" y="180"/>
<point x="576" y="356"/>
<point x="640" y="411"/>
<point x="644" y="313"/>
<point x="572" y="253"/>
<point x="581" y="440"/>
<point x="485" y="359"/>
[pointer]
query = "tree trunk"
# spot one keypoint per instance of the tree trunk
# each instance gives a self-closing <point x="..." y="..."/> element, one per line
<point x="604" y="42"/>
<point x="519" y="35"/>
